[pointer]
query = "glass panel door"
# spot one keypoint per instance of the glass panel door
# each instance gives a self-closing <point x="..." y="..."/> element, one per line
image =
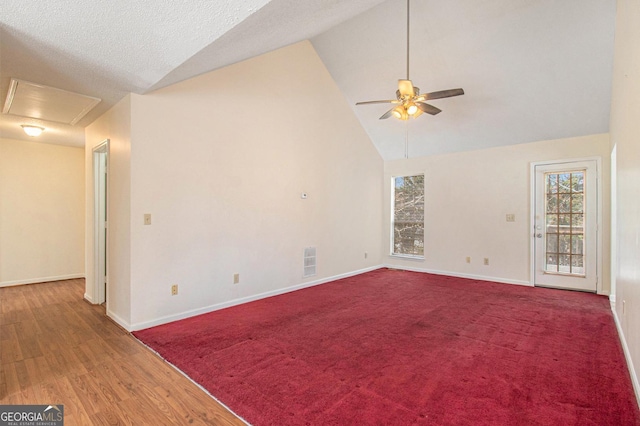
<point x="564" y="217"/>
<point x="565" y="227"/>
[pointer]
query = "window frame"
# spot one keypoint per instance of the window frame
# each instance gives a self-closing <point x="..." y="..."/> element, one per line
<point x="392" y="252"/>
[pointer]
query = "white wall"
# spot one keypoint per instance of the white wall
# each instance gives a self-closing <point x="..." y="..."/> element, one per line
<point x="220" y="162"/>
<point x="114" y="125"/>
<point x="468" y="195"/>
<point x="625" y="136"/>
<point x="41" y="212"/>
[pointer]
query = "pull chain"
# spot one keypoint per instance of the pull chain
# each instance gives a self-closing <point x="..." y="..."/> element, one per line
<point x="406" y="140"/>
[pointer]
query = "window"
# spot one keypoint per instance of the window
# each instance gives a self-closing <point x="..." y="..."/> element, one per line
<point x="565" y="216"/>
<point x="408" y="216"/>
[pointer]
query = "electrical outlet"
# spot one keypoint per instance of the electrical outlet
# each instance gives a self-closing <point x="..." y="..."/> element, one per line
<point x="468" y="259"/>
<point x="486" y="260"/>
<point x="511" y="217"/>
<point x="236" y="278"/>
<point x="147" y="219"/>
<point x="174" y="289"/>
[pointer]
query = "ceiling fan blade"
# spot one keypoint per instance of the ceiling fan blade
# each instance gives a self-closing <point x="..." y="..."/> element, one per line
<point x="405" y="87"/>
<point x="377" y="102"/>
<point x="441" y="94"/>
<point x="429" y="109"/>
<point x="387" y="114"/>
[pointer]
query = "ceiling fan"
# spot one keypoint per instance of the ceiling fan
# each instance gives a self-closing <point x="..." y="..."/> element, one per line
<point x="409" y="102"/>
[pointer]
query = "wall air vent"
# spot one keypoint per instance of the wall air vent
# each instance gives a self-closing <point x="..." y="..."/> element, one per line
<point x="309" y="261"/>
<point x="33" y="100"/>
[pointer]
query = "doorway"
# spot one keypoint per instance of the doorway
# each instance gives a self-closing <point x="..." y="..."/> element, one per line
<point x="566" y="248"/>
<point x="100" y="172"/>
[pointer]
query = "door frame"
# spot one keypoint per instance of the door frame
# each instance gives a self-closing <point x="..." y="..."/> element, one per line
<point x="614" y="224"/>
<point x="100" y="223"/>
<point x="532" y="215"/>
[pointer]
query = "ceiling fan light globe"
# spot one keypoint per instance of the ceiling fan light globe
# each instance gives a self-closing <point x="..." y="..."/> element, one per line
<point x="412" y="109"/>
<point x="400" y="112"/>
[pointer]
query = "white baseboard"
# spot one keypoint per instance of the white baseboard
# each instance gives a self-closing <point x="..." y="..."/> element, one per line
<point x="122" y="323"/>
<point x="461" y="275"/>
<point x="627" y="355"/>
<point x="41" y="280"/>
<point x="235" y="302"/>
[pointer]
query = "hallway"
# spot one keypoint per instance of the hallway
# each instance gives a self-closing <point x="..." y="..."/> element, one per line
<point x="55" y="348"/>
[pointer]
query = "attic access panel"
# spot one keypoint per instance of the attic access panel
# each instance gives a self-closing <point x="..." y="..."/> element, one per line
<point x="47" y="103"/>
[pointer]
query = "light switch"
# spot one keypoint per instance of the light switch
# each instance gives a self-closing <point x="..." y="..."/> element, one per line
<point x="147" y="219"/>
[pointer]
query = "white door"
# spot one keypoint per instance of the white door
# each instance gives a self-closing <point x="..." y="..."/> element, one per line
<point x="565" y="228"/>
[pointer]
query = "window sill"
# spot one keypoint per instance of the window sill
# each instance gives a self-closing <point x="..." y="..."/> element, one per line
<point x="407" y="257"/>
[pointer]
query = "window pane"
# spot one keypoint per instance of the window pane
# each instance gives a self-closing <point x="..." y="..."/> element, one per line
<point x="577" y="265"/>
<point x="578" y="222"/>
<point x="564" y="203"/>
<point x="577" y="201"/>
<point x="552" y="203"/>
<point x="552" y="184"/>
<point x="565" y="263"/>
<point x="552" y="224"/>
<point x="564" y="220"/>
<point x="408" y="215"/>
<point x="577" y="182"/>
<point x="577" y="244"/>
<point x="564" y="183"/>
<point x="564" y="244"/>
<point x="552" y="243"/>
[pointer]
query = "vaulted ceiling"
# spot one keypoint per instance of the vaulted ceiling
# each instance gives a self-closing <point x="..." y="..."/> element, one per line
<point x="531" y="70"/>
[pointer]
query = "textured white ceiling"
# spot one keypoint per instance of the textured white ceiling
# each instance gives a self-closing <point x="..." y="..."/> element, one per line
<point x="108" y="49"/>
<point x="277" y="24"/>
<point x="532" y="70"/>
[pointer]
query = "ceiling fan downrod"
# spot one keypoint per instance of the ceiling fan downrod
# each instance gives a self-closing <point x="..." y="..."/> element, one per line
<point x="408" y="23"/>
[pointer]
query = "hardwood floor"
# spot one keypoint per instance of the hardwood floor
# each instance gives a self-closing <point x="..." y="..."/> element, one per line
<point x="55" y="348"/>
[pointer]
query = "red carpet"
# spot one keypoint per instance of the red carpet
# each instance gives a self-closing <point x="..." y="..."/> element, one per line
<point x="400" y="348"/>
